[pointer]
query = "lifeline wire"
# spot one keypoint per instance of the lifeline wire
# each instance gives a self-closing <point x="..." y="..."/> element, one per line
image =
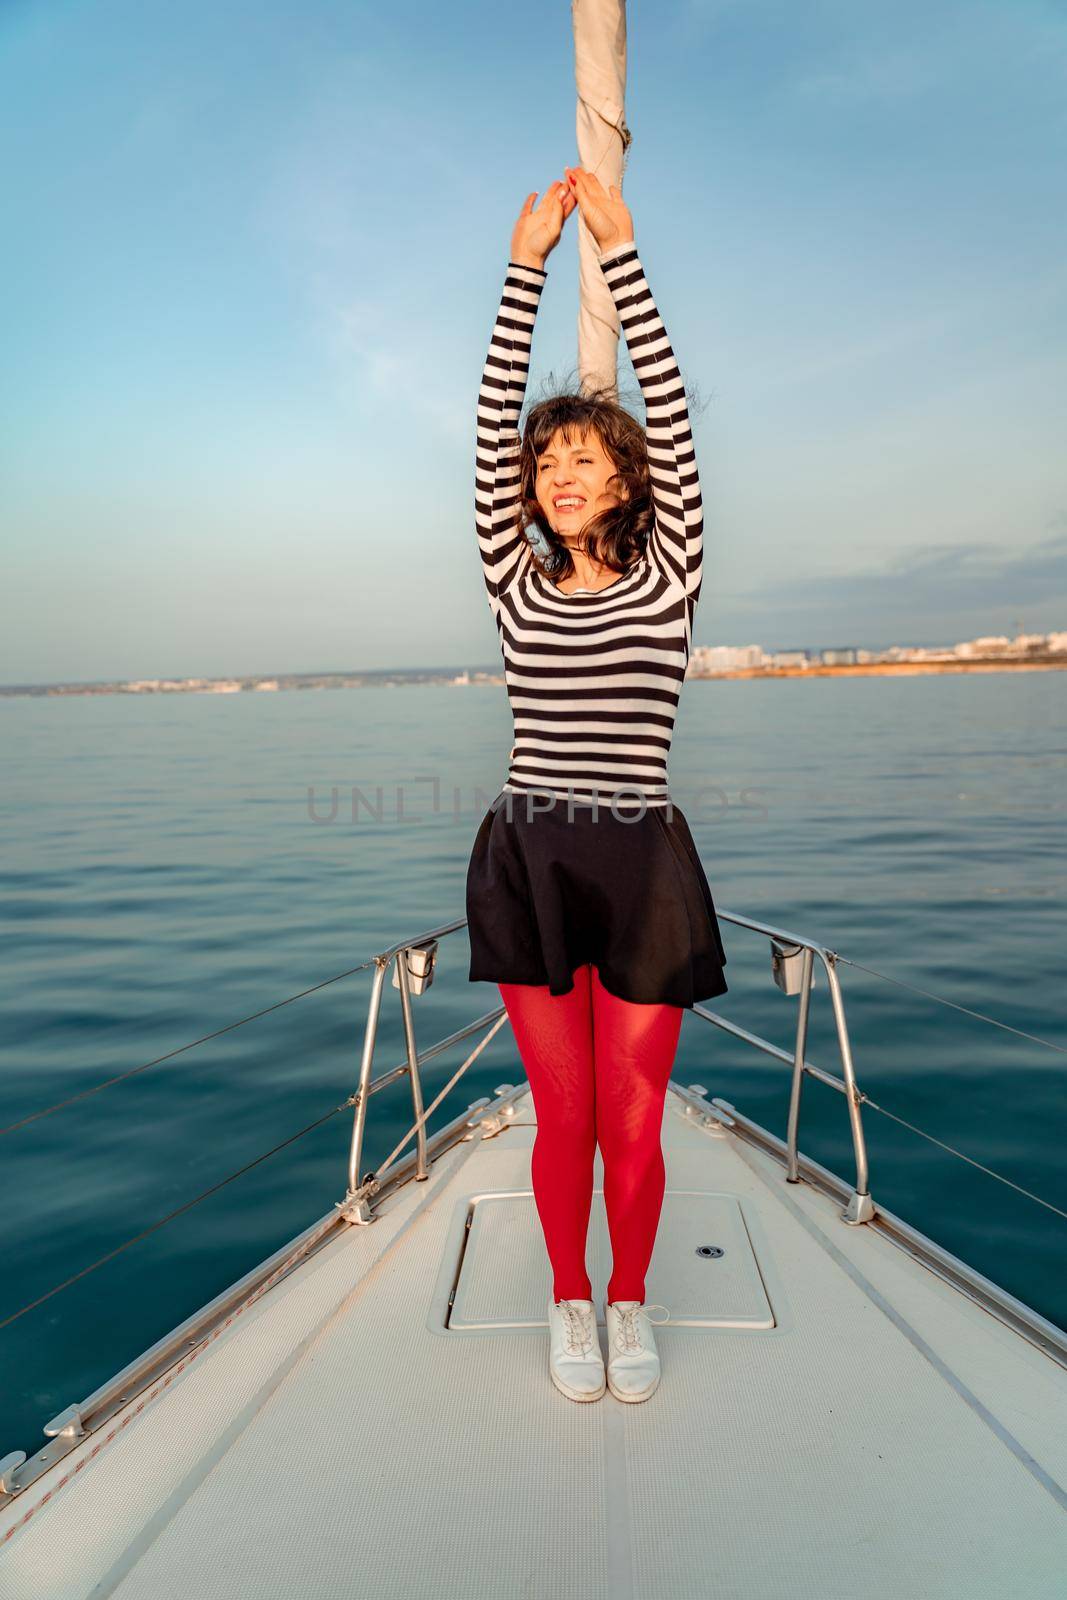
<point x="866" y="1099"/>
<point x="83" y="1094"/>
<point x="345" y="1105"/>
<point x="1019" y="1032"/>
<point x="215" y="1187"/>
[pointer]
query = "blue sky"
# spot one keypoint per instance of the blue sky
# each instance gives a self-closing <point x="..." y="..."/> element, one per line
<point x="253" y="252"/>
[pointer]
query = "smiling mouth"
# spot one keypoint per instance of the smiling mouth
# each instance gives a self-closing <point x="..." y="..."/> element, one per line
<point x="569" y="503"/>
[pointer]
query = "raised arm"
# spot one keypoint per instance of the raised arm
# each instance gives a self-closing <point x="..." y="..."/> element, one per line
<point x="505" y="551"/>
<point x="675" y="543"/>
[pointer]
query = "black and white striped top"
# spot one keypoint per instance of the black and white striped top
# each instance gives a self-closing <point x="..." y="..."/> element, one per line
<point x="593" y="678"/>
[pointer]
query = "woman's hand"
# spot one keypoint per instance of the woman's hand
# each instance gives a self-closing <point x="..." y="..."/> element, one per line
<point x="604" y="210"/>
<point x="538" y="229"/>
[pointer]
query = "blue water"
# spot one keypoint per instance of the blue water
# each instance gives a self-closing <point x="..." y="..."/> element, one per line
<point x="164" y="876"/>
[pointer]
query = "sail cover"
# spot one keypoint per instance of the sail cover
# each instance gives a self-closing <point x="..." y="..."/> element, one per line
<point x="603" y="142"/>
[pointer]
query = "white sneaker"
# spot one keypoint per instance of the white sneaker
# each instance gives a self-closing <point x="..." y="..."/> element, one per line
<point x="633" y="1364"/>
<point x="575" y="1362"/>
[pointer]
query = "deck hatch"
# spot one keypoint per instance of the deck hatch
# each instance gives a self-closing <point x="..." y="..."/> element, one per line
<point x="503" y="1274"/>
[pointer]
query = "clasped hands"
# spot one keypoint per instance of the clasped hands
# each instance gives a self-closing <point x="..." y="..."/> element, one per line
<point x="538" y="229"/>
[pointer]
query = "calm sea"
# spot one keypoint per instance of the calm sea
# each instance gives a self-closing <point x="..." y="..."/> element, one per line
<point x="166" y="875"/>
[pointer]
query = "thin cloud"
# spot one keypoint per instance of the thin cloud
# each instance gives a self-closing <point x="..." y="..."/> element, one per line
<point x="939" y="577"/>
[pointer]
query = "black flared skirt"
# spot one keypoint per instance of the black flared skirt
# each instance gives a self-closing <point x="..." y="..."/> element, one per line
<point x="549" y="890"/>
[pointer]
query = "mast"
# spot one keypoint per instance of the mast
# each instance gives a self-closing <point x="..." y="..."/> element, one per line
<point x="603" y="143"/>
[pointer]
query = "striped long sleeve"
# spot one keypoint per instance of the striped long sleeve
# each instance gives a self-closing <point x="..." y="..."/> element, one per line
<point x="505" y="552"/>
<point x="676" y="540"/>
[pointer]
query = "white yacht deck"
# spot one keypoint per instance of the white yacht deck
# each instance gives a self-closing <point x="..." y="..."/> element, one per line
<point x="833" y="1418"/>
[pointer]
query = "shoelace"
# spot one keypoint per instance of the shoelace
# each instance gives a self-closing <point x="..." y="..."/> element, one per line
<point x="577" y="1335"/>
<point x="628" y="1338"/>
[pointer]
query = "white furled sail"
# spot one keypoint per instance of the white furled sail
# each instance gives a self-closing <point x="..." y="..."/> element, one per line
<point x="603" y="141"/>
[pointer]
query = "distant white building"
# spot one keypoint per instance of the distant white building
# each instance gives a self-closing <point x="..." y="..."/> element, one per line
<point x="726" y="657"/>
<point x="838" y="658"/>
<point x="989" y="645"/>
<point x="789" y="658"/>
<point x="1056" y="641"/>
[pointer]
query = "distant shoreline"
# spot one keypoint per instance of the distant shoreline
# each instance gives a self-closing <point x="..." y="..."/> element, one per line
<point x="879" y="669"/>
<point x="450" y="678"/>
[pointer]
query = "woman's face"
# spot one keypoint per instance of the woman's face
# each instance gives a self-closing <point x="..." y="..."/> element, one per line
<point x="572" y="482"/>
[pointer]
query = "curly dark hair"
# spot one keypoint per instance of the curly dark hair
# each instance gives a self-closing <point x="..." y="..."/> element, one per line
<point x="616" y="537"/>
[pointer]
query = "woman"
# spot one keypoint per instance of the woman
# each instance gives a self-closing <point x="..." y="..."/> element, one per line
<point x="586" y="900"/>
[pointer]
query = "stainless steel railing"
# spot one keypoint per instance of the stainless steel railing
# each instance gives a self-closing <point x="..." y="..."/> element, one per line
<point x="794" y="954"/>
<point x="793" y="963"/>
<point x="360" y="1191"/>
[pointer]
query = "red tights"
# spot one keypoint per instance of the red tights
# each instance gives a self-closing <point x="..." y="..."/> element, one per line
<point x="598" y="1068"/>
